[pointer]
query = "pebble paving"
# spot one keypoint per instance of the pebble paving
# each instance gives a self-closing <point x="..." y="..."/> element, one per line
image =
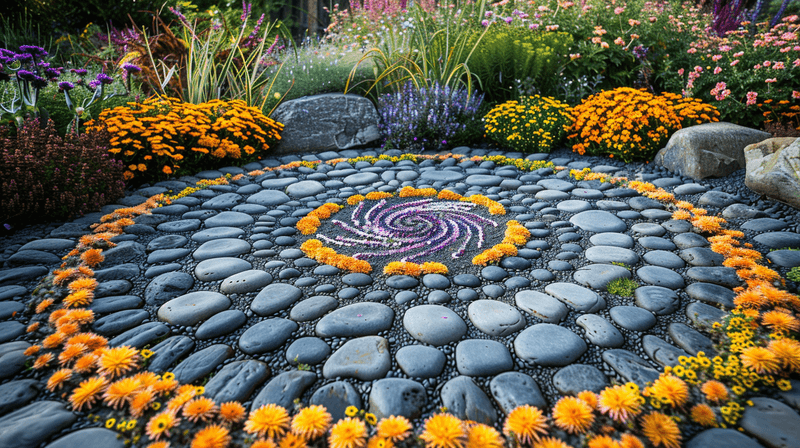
<point x="216" y="286"/>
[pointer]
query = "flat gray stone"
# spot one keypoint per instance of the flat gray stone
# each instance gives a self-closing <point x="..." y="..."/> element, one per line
<point x="482" y="357"/>
<point x="223" y="247"/>
<point x="279" y="183"/>
<point x="246" y="281"/>
<point x="764" y="225"/>
<point x="419" y="361"/>
<point x="771" y="422"/>
<point x="549" y="345"/>
<point x="268" y="198"/>
<point x="701" y="256"/>
<point x="598" y="221"/>
<point x="495" y="318"/>
<point x="166" y="242"/>
<point x="166" y="352"/>
<point x="574" y="205"/>
<point x="308" y="350"/>
<point x="716" y="437"/>
<point x="48" y="417"/>
<point x="704" y="316"/>
<point x="12" y="291"/>
<point x="717" y="274"/>
<point x="337" y="397"/>
<point x="576" y="378"/>
<point x="598" y="276"/>
<point x="608" y="254"/>
<point x="18" y="393"/>
<point x="600" y="331"/>
<point x="658" y="276"/>
<point x="612" y="239"/>
<point x="713" y="294"/>
<point x="166" y="287"/>
<point x="366" y="358"/>
<point x="465" y="400"/>
<point x="657" y="299"/>
<point x="140" y="336"/>
<point x="27" y="257"/>
<point x="690" y="339"/>
<point x="551" y="195"/>
<point x="284" y="389"/>
<point x="577" y="297"/>
<point x="267" y="335"/>
<point x="358" y="319"/>
<point x="221" y="324"/>
<point x="124" y="252"/>
<point x="661" y="351"/>
<point x="10" y="330"/>
<point x="630" y="367"/>
<point x="275" y="297"/>
<point x="687" y="189"/>
<point x="312" y="308"/>
<point x="785" y="258"/>
<point x="689" y="240"/>
<point x="12" y="358"/>
<point x="556" y="184"/>
<point x="441" y="176"/>
<point x="632" y="318"/>
<point x="514" y="389"/>
<point x="397" y="396"/>
<point x="434" y="324"/>
<point x="218" y="268"/>
<point x="664" y="259"/>
<point x="237" y="381"/>
<point x="304" y="188"/>
<point x="222" y="201"/>
<point x="189" y="309"/>
<point x="112" y="288"/>
<point x="94" y="437"/>
<point x="483" y="180"/>
<point x="217" y="233"/>
<point x="116" y="323"/>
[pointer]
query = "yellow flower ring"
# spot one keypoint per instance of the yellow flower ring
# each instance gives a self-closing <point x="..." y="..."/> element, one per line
<point x="400" y="232"/>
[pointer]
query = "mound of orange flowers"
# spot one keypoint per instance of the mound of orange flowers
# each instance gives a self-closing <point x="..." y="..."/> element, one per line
<point x="757" y="349"/>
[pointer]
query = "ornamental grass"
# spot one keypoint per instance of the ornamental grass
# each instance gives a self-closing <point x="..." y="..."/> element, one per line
<point x="756" y="352"/>
<point x="632" y="124"/>
<point x="532" y="124"/>
<point x="164" y="137"/>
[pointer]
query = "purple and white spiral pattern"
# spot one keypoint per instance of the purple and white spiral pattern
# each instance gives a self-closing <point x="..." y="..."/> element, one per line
<point x="410" y="230"/>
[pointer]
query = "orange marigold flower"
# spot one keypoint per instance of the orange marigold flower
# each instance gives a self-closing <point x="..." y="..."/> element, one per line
<point x="311" y="422"/>
<point x="620" y="402"/>
<point x="661" y="430"/>
<point x="449" y="196"/>
<point x="750" y="298"/>
<point x="92" y="257"/>
<point x="120" y="392"/>
<point x="670" y="389"/>
<point x="140" y="402"/>
<point x="377" y="195"/>
<point x="759" y="359"/>
<point x="526" y="423"/>
<point x="85" y="363"/>
<point x="54" y="340"/>
<point x="443" y="431"/>
<point x="780" y="321"/>
<point x="702" y="414"/>
<point x="432" y="267"/>
<point x="483" y="436"/>
<point x="573" y="415"/>
<point x="308" y="225"/>
<point x="43" y="305"/>
<point x="200" y="408"/>
<point x="81" y="297"/>
<point x="264" y="443"/>
<point x="714" y="391"/>
<point x="69" y="328"/>
<point x="550" y="442"/>
<point x="395" y="428"/>
<point x="160" y="424"/>
<point x="630" y="441"/>
<point x="62" y="275"/>
<point x="685" y="205"/>
<point x="212" y="436"/>
<point x="402" y="268"/>
<point x="589" y="398"/>
<point x="32" y="350"/>
<point x="87" y="392"/>
<point x="91" y="340"/>
<point x="787" y="353"/>
<point x="681" y="215"/>
<point x="58" y="378"/>
<point x="77" y="316"/>
<point x="348" y="433"/>
<point x="83" y="283"/>
<point x="291" y="440"/>
<point x="355" y="199"/>
<point x="117" y="360"/>
<point x="232" y="412"/>
<point x="269" y="420"/>
<point x="603" y="441"/>
<point x="71" y="352"/>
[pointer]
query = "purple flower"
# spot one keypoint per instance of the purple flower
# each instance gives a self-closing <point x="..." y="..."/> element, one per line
<point x="246" y="7"/>
<point x="104" y="79"/>
<point x="38" y="82"/>
<point x="33" y="50"/>
<point x="52" y="72"/>
<point x="509" y="19"/>
<point x="485" y="22"/>
<point x="26" y="75"/>
<point x="131" y="68"/>
<point x="93" y="84"/>
<point x="24" y="57"/>
<point x="79" y="71"/>
<point x="65" y="86"/>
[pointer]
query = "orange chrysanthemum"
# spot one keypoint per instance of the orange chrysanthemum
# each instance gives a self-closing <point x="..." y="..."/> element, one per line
<point x="661" y="430"/>
<point x="573" y="415"/>
<point x="87" y="392"/>
<point x="32" y="350"/>
<point x="212" y="436"/>
<point x="71" y="352"/>
<point x="269" y="420"/>
<point x="264" y="443"/>
<point x="160" y="424"/>
<point x="291" y="440"/>
<point x="443" y="431"/>
<point x="54" y="340"/>
<point x="78" y="298"/>
<point x="61" y="276"/>
<point x="589" y="398"/>
<point x="714" y="391"/>
<point x="58" y="378"/>
<point x="158" y="445"/>
<point x="199" y="409"/>
<point x="670" y="389"/>
<point x="85" y="363"/>
<point x="550" y="442"/>
<point x="759" y="359"/>
<point x="603" y="441"/>
<point x="141" y="401"/>
<point x="91" y="340"/>
<point x="120" y="392"/>
<point x="232" y="412"/>
<point x="702" y="414"/>
<point x="787" y="353"/>
<point x="395" y="428"/>
<point x="526" y="423"/>
<point x="348" y="433"/>
<point x="92" y="257"/>
<point x="83" y="283"/>
<point x="630" y="441"/>
<point x="619" y="402"/>
<point x="780" y="321"/>
<point x="483" y="436"/>
<point x="311" y="422"/>
<point x="117" y="360"/>
<point x="42" y="361"/>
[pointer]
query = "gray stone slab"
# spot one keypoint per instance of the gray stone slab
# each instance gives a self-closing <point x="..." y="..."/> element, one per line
<point x="630" y="366"/>
<point x="358" y="319"/>
<point x="267" y="335"/>
<point x="397" y="396"/>
<point x="482" y="357"/>
<point x="201" y="363"/>
<point x="48" y="417"/>
<point x="336" y="397"/>
<point x="284" y="389"/>
<point x="434" y="324"/>
<point x="275" y="297"/>
<point x="549" y="345"/>
<point x="495" y="318"/>
<point x="464" y="399"/>
<point x="237" y="381"/>
<point x="576" y="378"/>
<point x="190" y="309"/>
<point x="419" y="361"/>
<point x="598" y="276"/>
<point x="576" y="297"/>
<point x="365" y="358"/>
<point x="218" y="268"/>
<point x="771" y="422"/>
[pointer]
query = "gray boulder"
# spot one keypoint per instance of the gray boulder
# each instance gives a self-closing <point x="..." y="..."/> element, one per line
<point x="331" y="121"/>
<point x="708" y="150"/>
<point x="773" y="169"/>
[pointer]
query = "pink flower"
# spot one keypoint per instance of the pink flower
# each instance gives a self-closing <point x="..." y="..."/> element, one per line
<point x="785" y="49"/>
<point x="485" y="22"/>
<point x="509" y="19"/>
<point x="720" y="91"/>
<point x="619" y="41"/>
<point x="733" y="64"/>
<point x="738" y="54"/>
<point x="692" y="50"/>
<point x="796" y="62"/>
<point x="717" y="70"/>
<point x="619" y="10"/>
<point x="751" y="98"/>
<point x="795" y="95"/>
<point x="680" y="72"/>
<point x="757" y="66"/>
<point x="771" y="80"/>
<point x="533" y="26"/>
<point x="653" y="19"/>
<point x="604" y="44"/>
<point x="778" y="66"/>
<point x="573" y="56"/>
<point x="767" y="63"/>
<point x="698" y="69"/>
<point x="633" y="22"/>
<point x="724" y="48"/>
<point x="716" y="57"/>
<point x="488" y="14"/>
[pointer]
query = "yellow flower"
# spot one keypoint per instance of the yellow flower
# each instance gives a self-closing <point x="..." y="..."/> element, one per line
<point x="671" y="389"/>
<point x="619" y="402"/>
<point x="348" y="433"/>
<point x="443" y="431"/>
<point x="483" y="436"/>
<point x="117" y="360"/>
<point x="702" y="414"/>
<point x="212" y="436"/>
<point x="160" y="424"/>
<point x="573" y="415"/>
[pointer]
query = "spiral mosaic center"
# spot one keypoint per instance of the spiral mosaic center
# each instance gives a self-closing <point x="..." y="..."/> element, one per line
<point x="409" y="231"/>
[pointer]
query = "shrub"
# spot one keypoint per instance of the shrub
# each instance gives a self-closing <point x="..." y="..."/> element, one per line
<point x="163" y="136"/>
<point x="622" y="287"/>
<point x="534" y="124"/>
<point x="511" y="53"/>
<point x="46" y="178"/>
<point x="425" y="118"/>
<point x="633" y="124"/>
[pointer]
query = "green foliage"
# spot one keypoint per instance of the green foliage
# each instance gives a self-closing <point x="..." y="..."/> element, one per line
<point x="512" y="53"/>
<point x="622" y="287"/>
<point x="534" y="124"/>
<point x="794" y="274"/>
<point x="620" y="264"/>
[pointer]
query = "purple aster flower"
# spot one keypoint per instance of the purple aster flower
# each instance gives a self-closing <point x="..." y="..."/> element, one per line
<point x="131" y="68"/>
<point x="104" y="79"/>
<point x="24" y="57"/>
<point x="38" y="82"/>
<point x="33" y="50"/>
<point x="66" y="86"/>
<point x="26" y="75"/>
<point x="93" y="84"/>
<point x="79" y="71"/>
<point x="509" y="19"/>
<point x="52" y="72"/>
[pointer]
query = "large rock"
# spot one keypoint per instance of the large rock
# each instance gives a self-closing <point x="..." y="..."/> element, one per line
<point x="708" y="150"/>
<point x="773" y="169"/>
<point x="330" y="121"/>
